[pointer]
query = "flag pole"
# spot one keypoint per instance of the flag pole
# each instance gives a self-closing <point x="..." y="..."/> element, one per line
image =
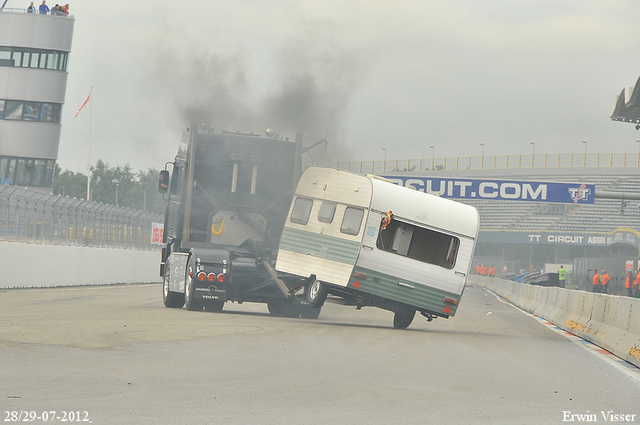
<point x="89" y="164"/>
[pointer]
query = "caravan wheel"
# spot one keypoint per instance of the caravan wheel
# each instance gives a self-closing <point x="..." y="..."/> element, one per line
<point x="403" y="317"/>
<point x="317" y="294"/>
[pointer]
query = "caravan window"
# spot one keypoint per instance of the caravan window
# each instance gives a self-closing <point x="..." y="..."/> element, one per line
<point x="419" y="243"/>
<point x="327" y="211"/>
<point x="352" y="220"/>
<point x="301" y="210"/>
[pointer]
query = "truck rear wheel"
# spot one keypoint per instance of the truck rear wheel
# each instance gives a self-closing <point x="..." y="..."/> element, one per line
<point x="403" y="317"/>
<point x="189" y="286"/>
<point x="317" y="294"/>
<point x="216" y="306"/>
<point x="169" y="298"/>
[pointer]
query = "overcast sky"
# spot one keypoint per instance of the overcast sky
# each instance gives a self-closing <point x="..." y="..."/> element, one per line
<point x="362" y="74"/>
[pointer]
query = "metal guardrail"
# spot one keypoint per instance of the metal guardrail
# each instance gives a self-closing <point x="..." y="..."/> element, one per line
<point x="30" y="216"/>
<point x="608" y="160"/>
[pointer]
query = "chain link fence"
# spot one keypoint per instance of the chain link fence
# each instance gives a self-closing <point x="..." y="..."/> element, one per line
<point x="30" y="216"/>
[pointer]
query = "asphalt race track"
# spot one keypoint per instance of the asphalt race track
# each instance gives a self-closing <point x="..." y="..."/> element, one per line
<point x="116" y="355"/>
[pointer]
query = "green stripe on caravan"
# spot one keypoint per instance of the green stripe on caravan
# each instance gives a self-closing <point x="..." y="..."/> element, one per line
<point x="404" y="291"/>
<point x="322" y="246"/>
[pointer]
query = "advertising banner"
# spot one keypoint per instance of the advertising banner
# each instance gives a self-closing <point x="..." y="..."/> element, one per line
<point x="622" y="236"/>
<point x="500" y="190"/>
<point x="157" y="232"/>
<point x="629" y="266"/>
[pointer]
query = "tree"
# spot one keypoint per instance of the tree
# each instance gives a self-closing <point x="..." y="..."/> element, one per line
<point x="68" y="183"/>
<point x="117" y="185"/>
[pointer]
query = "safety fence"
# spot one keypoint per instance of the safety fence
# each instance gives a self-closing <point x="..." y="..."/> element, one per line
<point x="30" y="216"/>
<point x="609" y="321"/>
<point x="608" y="160"/>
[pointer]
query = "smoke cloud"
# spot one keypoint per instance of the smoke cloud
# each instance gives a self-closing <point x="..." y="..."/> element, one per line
<point x="307" y="89"/>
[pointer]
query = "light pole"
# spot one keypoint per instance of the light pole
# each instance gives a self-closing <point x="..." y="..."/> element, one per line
<point x="585" y="153"/>
<point x="638" y="141"/>
<point x="482" y="157"/>
<point x="117" y="194"/>
<point x="433" y="156"/>
<point x="533" y="154"/>
<point x="384" y="166"/>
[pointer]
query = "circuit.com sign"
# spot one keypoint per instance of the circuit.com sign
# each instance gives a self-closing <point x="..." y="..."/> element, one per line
<point x="501" y="190"/>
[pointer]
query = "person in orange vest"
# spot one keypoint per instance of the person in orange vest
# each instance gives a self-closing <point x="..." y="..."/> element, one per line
<point x="636" y="288"/>
<point x="630" y="283"/>
<point x="485" y="270"/>
<point x="492" y="271"/>
<point x="605" y="281"/>
<point x="596" y="281"/>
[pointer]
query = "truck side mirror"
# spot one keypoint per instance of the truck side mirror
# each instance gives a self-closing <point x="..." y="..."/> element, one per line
<point x="163" y="184"/>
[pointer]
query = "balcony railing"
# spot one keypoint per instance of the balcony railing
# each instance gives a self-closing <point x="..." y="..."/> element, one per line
<point x="35" y="12"/>
<point x="600" y="160"/>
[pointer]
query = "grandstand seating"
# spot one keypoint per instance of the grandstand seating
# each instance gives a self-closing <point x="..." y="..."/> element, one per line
<point x="604" y="216"/>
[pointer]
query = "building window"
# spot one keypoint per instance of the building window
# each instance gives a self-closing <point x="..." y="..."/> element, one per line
<point x="26" y="171"/>
<point x="50" y="113"/>
<point x="30" y="111"/>
<point x="24" y="57"/>
<point x="12" y="110"/>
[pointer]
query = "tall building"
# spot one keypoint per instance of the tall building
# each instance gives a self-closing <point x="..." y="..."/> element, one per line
<point x="34" y="57"/>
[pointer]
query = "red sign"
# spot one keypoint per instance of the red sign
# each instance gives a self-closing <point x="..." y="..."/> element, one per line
<point x="157" y="232"/>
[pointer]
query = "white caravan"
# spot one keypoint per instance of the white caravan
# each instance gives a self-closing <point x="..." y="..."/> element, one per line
<point x="368" y="242"/>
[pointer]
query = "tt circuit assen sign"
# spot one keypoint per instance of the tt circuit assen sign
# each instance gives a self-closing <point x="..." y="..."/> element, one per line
<point x="500" y="190"/>
<point x="619" y="236"/>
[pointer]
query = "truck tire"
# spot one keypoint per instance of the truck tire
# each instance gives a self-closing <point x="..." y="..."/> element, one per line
<point x="307" y="312"/>
<point x="189" y="287"/>
<point x="403" y="317"/>
<point x="169" y="298"/>
<point x="317" y="294"/>
<point x="216" y="306"/>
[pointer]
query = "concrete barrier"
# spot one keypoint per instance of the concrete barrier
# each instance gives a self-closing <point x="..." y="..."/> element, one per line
<point x="33" y="265"/>
<point x="609" y="321"/>
<point x="576" y="323"/>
